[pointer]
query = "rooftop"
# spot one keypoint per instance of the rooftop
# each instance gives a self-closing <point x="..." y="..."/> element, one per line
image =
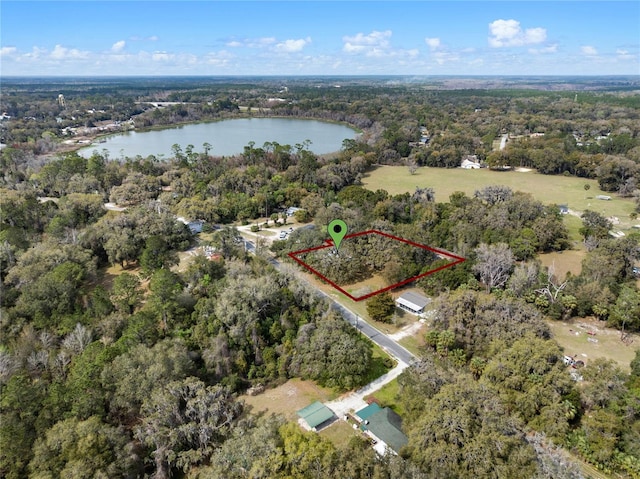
<point x="368" y="411"/>
<point x="413" y="300"/>
<point x="315" y="414"/>
<point x="386" y="425"/>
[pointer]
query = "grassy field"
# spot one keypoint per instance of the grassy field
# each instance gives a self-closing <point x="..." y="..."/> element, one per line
<point x="564" y="261"/>
<point x="339" y="433"/>
<point x="288" y="398"/>
<point x="573" y="337"/>
<point x="386" y="396"/>
<point x="550" y="189"/>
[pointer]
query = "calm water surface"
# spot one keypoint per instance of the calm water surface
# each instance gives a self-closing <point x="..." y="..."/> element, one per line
<point x="228" y="137"/>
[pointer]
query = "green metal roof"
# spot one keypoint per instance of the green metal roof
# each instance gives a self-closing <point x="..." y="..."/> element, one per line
<point x="368" y="411"/>
<point x="315" y="414"/>
<point x="386" y="425"/>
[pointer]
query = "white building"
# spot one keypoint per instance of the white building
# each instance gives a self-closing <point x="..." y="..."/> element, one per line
<point x="413" y="303"/>
<point x="470" y="163"/>
<point x="194" y="226"/>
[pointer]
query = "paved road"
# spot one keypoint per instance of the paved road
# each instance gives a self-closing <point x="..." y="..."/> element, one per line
<point x="390" y="346"/>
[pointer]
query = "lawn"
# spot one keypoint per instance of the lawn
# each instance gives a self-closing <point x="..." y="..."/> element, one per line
<point x="339" y="433"/>
<point x="387" y="396"/>
<point x="573" y="337"/>
<point x="550" y="189"/>
<point x="288" y="398"/>
<point x="564" y="261"/>
<point x="415" y="342"/>
<point x="378" y="368"/>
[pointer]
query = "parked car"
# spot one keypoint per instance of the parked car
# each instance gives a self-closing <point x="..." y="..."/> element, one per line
<point x="283" y="235"/>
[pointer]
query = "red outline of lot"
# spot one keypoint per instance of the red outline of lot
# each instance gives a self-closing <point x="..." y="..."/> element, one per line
<point x="329" y="243"/>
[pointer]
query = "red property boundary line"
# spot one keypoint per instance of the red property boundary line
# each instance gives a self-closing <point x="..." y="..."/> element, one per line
<point x="329" y="243"/>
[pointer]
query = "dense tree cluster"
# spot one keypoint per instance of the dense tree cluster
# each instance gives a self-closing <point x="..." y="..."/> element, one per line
<point x="115" y="363"/>
<point x="519" y="376"/>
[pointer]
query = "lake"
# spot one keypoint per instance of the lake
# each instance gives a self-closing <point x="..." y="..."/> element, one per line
<point x="227" y="137"/>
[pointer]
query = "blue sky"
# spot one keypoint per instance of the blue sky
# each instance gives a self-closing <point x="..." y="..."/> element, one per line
<point x="319" y="38"/>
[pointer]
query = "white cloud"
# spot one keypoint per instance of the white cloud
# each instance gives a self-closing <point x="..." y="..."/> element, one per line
<point x="6" y="51"/>
<point x="434" y="43"/>
<point x="624" y="54"/>
<point x="373" y="42"/>
<point x="161" y="56"/>
<point x="588" y="50"/>
<point x="35" y="54"/>
<point x="138" y="38"/>
<point x="117" y="47"/>
<point x="61" y="53"/>
<point x="289" y="46"/>
<point x="376" y="45"/>
<point x="252" y="42"/>
<point x="509" y="33"/>
<point x="446" y="57"/>
<point x="219" y="58"/>
<point x="548" y="49"/>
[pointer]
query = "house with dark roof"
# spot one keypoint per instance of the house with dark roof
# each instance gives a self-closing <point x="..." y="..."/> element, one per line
<point x="384" y="426"/>
<point x="412" y="302"/>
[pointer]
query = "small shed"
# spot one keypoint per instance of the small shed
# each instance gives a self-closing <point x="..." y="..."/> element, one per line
<point x="315" y="415"/>
<point x="412" y="302"/>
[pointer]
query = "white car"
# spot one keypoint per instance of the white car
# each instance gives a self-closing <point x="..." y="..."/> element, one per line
<point x="283" y="235"/>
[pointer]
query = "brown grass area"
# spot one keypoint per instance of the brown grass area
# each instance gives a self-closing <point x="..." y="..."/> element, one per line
<point x="339" y="433"/>
<point x="366" y="286"/>
<point x="572" y="336"/>
<point x="288" y="398"/>
<point x="105" y="276"/>
<point x="564" y="261"/>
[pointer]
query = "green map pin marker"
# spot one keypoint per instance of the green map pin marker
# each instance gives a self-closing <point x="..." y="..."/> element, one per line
<point x="337" y="231"/>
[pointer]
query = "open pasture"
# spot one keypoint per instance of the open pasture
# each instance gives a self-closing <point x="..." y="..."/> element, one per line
<point x="550" y="189"/>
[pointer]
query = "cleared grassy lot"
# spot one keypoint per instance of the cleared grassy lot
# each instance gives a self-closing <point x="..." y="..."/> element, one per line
<point x="550" y="189"/>
<point x="288" y="398"/>
<point x="605" y="343"/>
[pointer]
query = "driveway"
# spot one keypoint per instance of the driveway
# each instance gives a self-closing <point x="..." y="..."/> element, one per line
<point x="354" y="401"/>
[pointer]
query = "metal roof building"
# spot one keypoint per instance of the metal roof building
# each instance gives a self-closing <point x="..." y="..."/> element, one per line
<point x="316" y="414"/>
<point x="384" y="425"/>
<point x="412" y="302"/>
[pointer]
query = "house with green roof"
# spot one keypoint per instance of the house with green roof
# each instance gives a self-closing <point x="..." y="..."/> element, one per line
<point x="384" y="426"/>
<point x="364" y="414"/>
<point x="316" y="415"/>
